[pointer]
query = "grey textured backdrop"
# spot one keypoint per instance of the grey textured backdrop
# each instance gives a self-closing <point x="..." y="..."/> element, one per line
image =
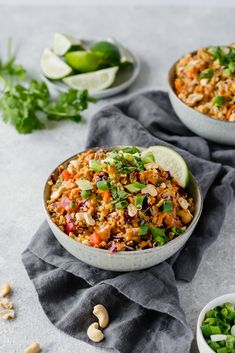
<point x="159" y="35"/>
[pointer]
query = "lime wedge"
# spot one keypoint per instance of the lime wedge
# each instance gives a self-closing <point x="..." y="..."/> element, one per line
<point x="170" y="160"/>
<point x="63" y="43"/>
<point x="83" y="61"/>
<point x="52" y="66"/>
<point x="93" y="81"/>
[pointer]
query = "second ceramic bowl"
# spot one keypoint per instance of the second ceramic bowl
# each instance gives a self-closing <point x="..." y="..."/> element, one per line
<point x="201" y="124"/>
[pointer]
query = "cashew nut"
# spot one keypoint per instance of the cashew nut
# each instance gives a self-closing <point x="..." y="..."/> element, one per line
<point x="5" y="303"/>
<point x="102" y="315"/>
<point x="93" y="333"/>
<point x="33" y="348"/>
<point x="7" y="314"/>
<point x="5" y="290"/>
<point x="149" y="189"/>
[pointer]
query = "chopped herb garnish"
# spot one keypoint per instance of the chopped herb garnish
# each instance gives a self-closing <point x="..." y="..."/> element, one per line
<point x="102" y="185"/>
<point x="167" y="206"/>
<point x="58" y="185"/>
<point x="219" y="100"/>
<point x="131" y="150"/>
<point x="177" y="230"/>
<point x="208" y="74"/>
<point x="159" y="235"/>
<point x="125" y="162"/>
<point x="143" y="228"/>
<point x="231" y="67"/>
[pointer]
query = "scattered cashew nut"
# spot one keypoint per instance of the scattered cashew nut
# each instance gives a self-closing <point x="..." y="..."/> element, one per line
<point x="5" y="290"/>
<point x="7" y="314"/>
<point x="33" y="348"/>
<point x="93" y="333"/>
<point x="5" y="303"/>
<point x="102" y="315"/>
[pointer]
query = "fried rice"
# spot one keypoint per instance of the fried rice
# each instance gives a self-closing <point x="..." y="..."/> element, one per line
<point x="119" y="201"/>
<point x="205" y="81"/>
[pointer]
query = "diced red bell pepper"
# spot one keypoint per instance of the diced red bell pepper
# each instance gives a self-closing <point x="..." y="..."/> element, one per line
<point x="66" y="174"/>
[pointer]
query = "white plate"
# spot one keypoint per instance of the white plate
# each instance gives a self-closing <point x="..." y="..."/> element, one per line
<point x="125" y="76"/>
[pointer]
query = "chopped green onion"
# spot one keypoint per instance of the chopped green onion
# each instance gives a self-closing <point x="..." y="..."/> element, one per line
<point x="134" y="187"/>
<point x="102" y="185"/>
<point x="222" y="350"/>
<point x="143" y="229"/>
<point x="95" y="165"/>
<point x="73" y="204"/>
<point x="138" y="201"/>
<point x="148" y="158"/>
<point x="210" y="330"/>
<point x="167" y="206"/>
<point x="58" y="185"/>
<point x="219" y="100"/>
<point x="122" y="204"/>
<point x="85" y="194"/>
<point x="84" y="184"/>
<point x="226" y="72"/>
<point x="131" y="150"/>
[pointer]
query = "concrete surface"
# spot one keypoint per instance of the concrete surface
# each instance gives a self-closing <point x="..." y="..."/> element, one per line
<point x="159" y="36"/>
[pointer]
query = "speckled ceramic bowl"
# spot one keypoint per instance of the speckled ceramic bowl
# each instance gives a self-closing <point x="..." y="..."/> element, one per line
<point x="202" y="345"/>
<point x="124" y="261"/>
<point x="201" y="124"/>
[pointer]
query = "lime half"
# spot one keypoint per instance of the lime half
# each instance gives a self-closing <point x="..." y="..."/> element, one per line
<point x="63" y="43"/>
<point x="52" y="66"/>
<point x="172" y="161"/>
<point x="93" y="81"/>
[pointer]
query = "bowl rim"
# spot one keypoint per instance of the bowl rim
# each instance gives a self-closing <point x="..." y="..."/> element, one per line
<point x="167" y="245"/>
<point x="171" y="73"/>
<point x="223" y="299"/>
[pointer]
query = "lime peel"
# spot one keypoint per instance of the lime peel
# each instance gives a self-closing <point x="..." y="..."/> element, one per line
<point x="172" y="161"/>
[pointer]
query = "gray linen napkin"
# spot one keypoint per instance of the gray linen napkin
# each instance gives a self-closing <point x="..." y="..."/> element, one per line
<point x="145" y="314"/>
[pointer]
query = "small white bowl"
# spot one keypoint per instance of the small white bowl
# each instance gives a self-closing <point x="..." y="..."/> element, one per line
<point x="201" y="342"/>
<point x="124" y="261"/>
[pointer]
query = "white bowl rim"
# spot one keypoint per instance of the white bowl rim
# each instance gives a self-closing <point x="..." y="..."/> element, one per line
<point x="223" y="299"/>
<point x="170" y="87"/>
<point x="128" y="253"/>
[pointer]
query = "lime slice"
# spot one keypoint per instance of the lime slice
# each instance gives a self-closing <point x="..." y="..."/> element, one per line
<point x="52" y="66"/>
<point x="93" y="81"/>
<point x="170" y="160"/>
<point x="83" y="61"/>
<point x="63" y="43"/>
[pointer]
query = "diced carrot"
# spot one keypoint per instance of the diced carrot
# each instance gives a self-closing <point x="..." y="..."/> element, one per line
<point x="229" y="111"/>
<point x="106" y="196"/>
<point x="66" y="174"/>
<point x="95" y="239"/>
<point x="131" y="199"/>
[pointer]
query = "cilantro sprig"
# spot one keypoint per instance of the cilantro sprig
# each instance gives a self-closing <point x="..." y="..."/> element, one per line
<point x="26" y="104"/>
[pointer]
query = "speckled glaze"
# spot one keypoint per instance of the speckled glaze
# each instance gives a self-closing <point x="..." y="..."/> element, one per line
<point x="201" y="124"/>
<point x="124" y="261"/>
<point x="202" y="345"/>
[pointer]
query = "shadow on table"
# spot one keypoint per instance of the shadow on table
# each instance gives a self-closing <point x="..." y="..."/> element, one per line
<point x="194" y="348"/>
